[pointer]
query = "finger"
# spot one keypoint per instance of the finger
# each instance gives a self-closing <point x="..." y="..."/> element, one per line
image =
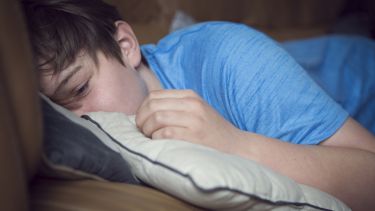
<point x="162" y="94"/>
<point x="179" y="133"/>
<point x="172" y="93"/>
<point x="168" y="118"/>
<point x="192" y="105"/>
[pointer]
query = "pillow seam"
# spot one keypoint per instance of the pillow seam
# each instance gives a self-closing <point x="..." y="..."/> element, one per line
<point x="277" y="203"/>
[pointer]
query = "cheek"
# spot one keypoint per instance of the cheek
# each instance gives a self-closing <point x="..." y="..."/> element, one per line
<point x="122" y="94"/>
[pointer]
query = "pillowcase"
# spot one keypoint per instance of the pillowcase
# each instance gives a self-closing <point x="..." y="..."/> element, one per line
<point x="71" y="142"/>
<point x="206" y="177"/>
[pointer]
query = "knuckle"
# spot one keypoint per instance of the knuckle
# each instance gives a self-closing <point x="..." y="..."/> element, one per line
<point x="152" y="105"/>
<point x="158" y="117"/>
<point x="164" y="133"/>
<point x="153" y="94"/>
<point x="196" y="104"/>
<point x="168" y="133"/>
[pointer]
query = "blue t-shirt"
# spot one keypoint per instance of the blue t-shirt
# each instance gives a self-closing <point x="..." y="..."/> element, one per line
<point x="249" y="79"/>
<point x="344" y="66"/>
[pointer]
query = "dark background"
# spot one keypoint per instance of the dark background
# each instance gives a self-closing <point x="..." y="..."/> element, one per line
<point x="281" y="19"/>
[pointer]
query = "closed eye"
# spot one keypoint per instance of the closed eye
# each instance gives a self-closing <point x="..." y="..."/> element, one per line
<point x="76" y="95"/>
<point x="82" y="90"/>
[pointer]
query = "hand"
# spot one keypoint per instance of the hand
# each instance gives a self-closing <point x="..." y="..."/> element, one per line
<point x="182" y="114"/>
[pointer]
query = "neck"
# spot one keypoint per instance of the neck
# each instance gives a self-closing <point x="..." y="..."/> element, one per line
<point x="152" y="82"/>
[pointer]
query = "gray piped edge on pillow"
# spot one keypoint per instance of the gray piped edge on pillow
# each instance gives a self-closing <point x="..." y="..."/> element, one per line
<point x="69" y="141"/>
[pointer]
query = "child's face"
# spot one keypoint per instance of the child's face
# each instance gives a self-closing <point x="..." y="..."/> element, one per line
<point x="85" y="87"/>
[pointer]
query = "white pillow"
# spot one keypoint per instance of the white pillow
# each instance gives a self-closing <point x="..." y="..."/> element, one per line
<point x="206" y="177"/>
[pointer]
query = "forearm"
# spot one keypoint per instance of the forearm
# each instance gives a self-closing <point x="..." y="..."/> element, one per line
<point x="348" y="174"/>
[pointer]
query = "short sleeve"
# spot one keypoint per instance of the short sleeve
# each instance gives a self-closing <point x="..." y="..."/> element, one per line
<point x="248" y="79"/>
<point x="270" y="94"/>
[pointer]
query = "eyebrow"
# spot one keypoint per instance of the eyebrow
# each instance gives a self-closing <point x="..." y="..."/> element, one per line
<point x="67" y="78"/>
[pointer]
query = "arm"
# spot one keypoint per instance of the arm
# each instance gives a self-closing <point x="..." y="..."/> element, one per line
<point x="342" y="166"/>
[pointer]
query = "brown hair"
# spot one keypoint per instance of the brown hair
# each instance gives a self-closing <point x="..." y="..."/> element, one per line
<point x="60" y="30"/>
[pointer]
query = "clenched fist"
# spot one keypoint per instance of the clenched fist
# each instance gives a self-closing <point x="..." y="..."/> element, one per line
<point x="182" y="114"/>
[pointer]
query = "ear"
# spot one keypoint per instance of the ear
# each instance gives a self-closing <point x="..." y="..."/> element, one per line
<point x="128" y="43"/>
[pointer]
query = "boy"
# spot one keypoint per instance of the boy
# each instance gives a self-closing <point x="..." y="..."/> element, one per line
<point x="246" y="95"/>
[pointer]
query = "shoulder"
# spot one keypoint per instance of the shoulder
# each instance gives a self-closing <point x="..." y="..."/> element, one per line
<point x="210" y="28"/>
<point x="212" y="38"/>
<point x="209" y="34"/>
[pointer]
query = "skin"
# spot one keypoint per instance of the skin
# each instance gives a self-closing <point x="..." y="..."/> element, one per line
<point x="107" y="85"/>
<point x="342" y="165"/>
